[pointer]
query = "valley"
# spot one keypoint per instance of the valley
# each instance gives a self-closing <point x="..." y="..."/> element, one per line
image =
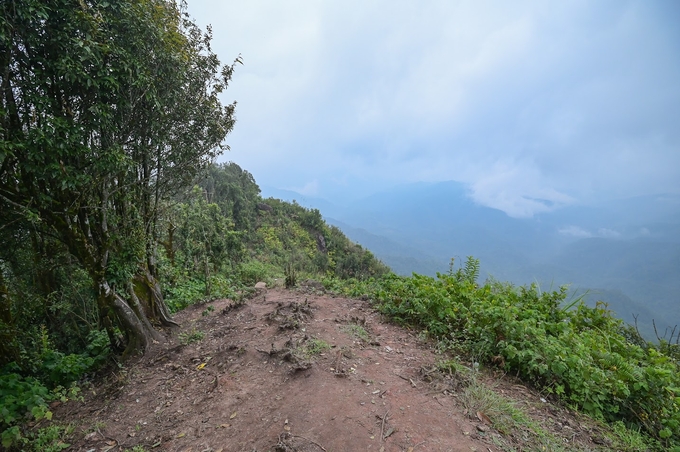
<point x="625" y="253"/>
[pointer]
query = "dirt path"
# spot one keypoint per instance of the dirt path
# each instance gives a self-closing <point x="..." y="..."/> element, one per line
<point x="286" y="371"/>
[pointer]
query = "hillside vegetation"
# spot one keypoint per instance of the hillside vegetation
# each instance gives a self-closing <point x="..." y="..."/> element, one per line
<point x="113" y="216"/>
<point x="221" y="237"/>
<point x="583" y="357"/>
<point x="216" y="240"/>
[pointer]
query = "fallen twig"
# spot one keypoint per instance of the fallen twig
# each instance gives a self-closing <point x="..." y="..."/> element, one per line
<point x="407" y="379"/>
<point x="382" y="427"/>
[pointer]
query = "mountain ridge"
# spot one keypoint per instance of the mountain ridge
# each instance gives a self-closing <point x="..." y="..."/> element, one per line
<point x="628" y="245"/>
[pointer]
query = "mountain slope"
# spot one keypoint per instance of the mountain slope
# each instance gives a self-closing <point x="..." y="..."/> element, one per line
<point x="627" y="249"/>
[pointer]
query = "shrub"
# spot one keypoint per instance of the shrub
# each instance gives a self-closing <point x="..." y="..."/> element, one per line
<point x="24" y="398"/>
<point x="254" y="271"/>
<point x="570" y="350"/>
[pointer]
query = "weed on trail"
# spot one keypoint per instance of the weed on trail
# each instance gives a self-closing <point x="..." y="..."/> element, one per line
<point x="314" y="347"/>
<point x="191" y="337"/>
<point x="505" y="416"/>
<point x="357" y="331"/>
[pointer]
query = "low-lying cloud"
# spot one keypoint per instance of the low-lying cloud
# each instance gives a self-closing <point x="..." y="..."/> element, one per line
<point x="535" y="105"/>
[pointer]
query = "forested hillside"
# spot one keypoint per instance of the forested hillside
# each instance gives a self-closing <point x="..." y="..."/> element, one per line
<point x="112" y="215"/>
<point x="215" y="239"/>
<point x="221" y="235"/>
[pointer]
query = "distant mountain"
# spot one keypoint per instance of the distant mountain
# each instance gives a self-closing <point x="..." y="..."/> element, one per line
<point x="402" y="259"/>
<point x="326" y="207"/>
<point x="628" y="248"/>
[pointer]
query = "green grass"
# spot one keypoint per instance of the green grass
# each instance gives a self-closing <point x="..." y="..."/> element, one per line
<point x="191" y="337"/>
<point x="137" y="449"/>
<point x="508" y="419"/>
<point x="314" y="347"/>
<point x="356" y="331"/>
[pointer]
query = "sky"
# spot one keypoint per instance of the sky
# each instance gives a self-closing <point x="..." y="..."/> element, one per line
<point x="534" y="105"/>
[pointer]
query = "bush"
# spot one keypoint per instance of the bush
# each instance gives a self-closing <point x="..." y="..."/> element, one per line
<point x="570" y="350"/>
<point x="26" y="397"/>
<point x="254" y="271"/>
<point x="22" y="397"/>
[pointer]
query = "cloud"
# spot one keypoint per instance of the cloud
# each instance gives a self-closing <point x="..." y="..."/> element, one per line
<point x="608" y="233"/>
<point x="581" y="233"/>
<point x="575" y="231"/>
<point x="516" y="188"/>
<point x="309" y="189"/>
<point x="526" y="102"/>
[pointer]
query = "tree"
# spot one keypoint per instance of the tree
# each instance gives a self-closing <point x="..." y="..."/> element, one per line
<point x="106" y="109"/>
<point x="235" y="191"/>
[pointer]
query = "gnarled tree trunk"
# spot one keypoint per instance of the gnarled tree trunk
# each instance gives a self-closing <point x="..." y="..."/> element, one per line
<point x="139" y="332"/>
<point x="147" y="290"/>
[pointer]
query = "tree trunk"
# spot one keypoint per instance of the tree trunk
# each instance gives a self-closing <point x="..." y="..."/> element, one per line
<point x="8" y="350"/>
<point x="148" y="291"/>
<point x="140" y="334"/>
<point x="170" y="243"/>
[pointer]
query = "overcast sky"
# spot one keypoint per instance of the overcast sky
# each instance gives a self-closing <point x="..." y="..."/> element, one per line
<point x="533" y="104"/>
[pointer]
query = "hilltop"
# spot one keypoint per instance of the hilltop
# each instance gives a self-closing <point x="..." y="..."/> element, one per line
<point x="302" y="370"/>
<point x="242" y="361"/>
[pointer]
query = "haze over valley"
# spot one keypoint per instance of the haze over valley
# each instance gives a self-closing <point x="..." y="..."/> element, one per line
<point x="624" y="252"/>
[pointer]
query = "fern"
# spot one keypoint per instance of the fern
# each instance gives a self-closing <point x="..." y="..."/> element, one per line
<point x="471" y="270"/>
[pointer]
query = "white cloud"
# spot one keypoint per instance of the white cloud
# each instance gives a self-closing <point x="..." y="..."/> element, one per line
<point x="528" y="102"/>
<point x="579" y="232"/>
<point x="517" y="189"/>
<point x="309" y="189"/>
<point x="608" y="233"/>
<point x="575" y="231"/>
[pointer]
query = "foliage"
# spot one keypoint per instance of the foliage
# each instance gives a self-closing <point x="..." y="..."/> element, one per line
<point x="21" y="396"/>
<point x="253" y="271"/>
<point x="46" y="439"/>
<point x="24" y="398"/>
<point x="291" y="275"/>
<point x="204" y="239"/>
<point x="107" y="109"/>
<point x="233" y="190"/>
<point x="222" y="233"/>
<point x="27" y="397"/>
<point x="578" y="354"/>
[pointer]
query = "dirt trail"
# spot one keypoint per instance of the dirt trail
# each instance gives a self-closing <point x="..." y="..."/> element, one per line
<point x="262" y="379"/>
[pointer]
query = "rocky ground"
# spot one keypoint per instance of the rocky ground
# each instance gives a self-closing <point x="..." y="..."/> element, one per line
<point x="299" y="370"/>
